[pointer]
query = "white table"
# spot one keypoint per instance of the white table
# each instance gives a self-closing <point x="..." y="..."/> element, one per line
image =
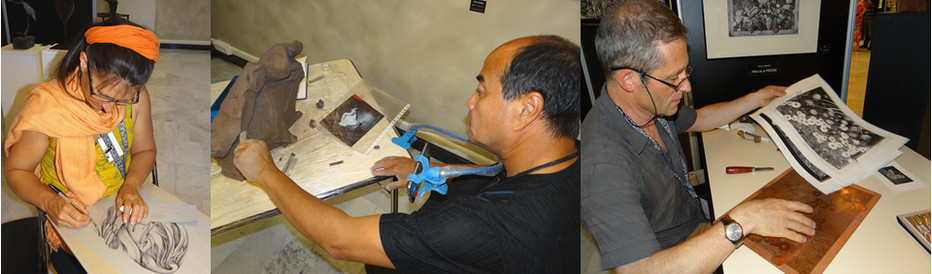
<point x="236" y="203"/>
<point x="879" y="245"/>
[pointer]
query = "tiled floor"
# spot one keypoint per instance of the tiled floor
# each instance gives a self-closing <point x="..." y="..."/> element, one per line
<point x="179" y="93"/>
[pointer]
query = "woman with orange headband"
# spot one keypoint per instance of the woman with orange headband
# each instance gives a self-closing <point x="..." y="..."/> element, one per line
<point x="89" y="131"/>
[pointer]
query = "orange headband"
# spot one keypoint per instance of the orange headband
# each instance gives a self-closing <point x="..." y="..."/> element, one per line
<point x="134" y="38"/>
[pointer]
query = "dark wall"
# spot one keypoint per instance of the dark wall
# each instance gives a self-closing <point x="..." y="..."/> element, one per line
<point x="897" y="93"/>
<point x="48" y="27"/>
<point x="588" y="28"/>
<point x="719" y="80"/>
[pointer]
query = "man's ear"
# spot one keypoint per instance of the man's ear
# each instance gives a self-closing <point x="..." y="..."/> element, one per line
<point x="627" y="79"/>
<point x="530" y="107"/>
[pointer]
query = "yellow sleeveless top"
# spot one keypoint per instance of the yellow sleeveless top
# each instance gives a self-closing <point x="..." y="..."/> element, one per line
<point x="106" y="171"/>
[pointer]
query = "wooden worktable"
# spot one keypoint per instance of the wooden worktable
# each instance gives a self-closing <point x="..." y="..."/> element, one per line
<point x="235" y="203"/>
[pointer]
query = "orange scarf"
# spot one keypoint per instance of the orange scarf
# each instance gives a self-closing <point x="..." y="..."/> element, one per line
<point x="134" y="38"/>
<point x="50" y="110"/>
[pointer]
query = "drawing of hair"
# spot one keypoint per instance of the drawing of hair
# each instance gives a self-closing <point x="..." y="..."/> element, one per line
<point x="159" y="247"/>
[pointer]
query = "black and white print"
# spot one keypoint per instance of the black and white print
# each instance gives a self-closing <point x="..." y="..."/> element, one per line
<point x="827" y="136"/>
<point x="350" y="121"/>
<point x="895" y="176"/>
<point x="762" y="17"/>
<point x="826" y="129"/>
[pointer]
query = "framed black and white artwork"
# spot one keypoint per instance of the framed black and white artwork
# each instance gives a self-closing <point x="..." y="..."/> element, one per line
<point x="740" y="28"/>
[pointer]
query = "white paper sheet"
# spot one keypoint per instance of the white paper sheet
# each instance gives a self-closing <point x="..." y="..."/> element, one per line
<point x="150" y="242"/>
<point x="833" y="146"/>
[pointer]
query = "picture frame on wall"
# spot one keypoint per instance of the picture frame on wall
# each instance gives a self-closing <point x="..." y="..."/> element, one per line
<point x="742" y="28"/>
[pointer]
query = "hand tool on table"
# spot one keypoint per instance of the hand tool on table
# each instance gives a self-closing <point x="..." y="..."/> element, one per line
<point x="289" y="165"/>
<point x="745" y="169"/>
<point x="752" y="137"/>
<point x="62" y="195"/>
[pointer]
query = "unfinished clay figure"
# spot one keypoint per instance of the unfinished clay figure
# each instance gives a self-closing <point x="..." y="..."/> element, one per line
<point x="261" y="102"/>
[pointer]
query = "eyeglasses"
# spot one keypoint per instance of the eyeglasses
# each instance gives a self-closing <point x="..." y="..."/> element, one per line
<point x="105" y="98"/>
<point x="689" y="71"/>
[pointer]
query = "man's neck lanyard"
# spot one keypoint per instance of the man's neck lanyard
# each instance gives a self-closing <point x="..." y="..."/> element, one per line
<point x="681" y="178"/>
<point x="115" y="154"/>
<point x="498" y="179"/>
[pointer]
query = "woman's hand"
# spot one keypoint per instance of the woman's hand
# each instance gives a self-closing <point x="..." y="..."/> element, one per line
<point x="62" y="213"/>
<point x="132" y="205"/>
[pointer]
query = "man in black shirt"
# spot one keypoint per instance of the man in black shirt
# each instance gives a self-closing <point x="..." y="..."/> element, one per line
<point x="525" y="219"/>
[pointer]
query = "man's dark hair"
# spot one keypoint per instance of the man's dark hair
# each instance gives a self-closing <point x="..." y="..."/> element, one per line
<point x="629" y="36"/>
<point x="106" y="58"/>
<point x="550" y="65"/>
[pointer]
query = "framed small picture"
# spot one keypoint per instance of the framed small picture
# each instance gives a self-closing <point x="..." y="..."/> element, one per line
<point x="739" y="28"/>
<point x="350" y="121"/>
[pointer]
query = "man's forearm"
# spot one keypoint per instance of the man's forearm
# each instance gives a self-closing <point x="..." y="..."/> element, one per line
<point x="344" y="237"/>
<point x="718" y="114"/>
<point x="700" y="254"/>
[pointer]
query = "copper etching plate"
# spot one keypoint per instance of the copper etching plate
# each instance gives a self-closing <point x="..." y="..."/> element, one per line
<point x="837" y="215"/>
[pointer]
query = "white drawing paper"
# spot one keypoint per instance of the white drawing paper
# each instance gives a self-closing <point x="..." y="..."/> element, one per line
<point x="824" y="141"/>
<point x="146" y="247"/>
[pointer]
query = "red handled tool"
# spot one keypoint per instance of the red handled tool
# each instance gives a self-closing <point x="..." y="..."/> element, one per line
<point x="745" y="169"/>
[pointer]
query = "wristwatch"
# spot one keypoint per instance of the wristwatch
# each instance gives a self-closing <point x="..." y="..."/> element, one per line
<point x="733" y="230"/>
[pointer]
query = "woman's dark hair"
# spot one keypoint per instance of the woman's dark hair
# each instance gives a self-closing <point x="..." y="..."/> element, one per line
<point x="106" y="58"/>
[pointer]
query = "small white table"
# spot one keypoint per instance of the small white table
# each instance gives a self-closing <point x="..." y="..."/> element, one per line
<point x="879" y="245"/>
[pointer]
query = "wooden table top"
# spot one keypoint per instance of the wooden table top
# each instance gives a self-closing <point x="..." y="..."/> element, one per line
<point x="318" y="168"/>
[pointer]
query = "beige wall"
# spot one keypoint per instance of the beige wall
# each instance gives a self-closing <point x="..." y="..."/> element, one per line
<point x="425" y="52"/>
<point x="174" y="21"/>
<point x="183" y="20"/>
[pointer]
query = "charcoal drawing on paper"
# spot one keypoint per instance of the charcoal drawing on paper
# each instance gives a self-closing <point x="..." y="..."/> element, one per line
<point x="826" y="129"/>
<point x="158" y="247"/>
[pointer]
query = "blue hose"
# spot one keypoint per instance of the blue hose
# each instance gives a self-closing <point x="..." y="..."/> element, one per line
<point x="464" y="139"/>
<point x="489" y="169"/>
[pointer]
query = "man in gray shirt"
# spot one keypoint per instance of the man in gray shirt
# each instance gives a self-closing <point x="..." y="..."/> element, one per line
<point x="636" y="200"/>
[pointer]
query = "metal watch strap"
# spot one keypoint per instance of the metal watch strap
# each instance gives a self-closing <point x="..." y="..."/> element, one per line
<point x="726" y="222"/>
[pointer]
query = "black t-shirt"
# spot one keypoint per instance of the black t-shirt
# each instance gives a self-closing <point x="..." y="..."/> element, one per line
<point x="514" y="225"/>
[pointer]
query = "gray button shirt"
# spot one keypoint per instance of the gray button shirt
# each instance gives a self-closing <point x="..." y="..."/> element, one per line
<point x="630" y="200"/>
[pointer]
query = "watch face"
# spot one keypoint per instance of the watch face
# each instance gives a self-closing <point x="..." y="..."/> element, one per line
<point x="733" y="232"/>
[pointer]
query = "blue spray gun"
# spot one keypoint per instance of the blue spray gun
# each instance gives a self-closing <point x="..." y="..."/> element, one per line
<point x="427" y="178"/>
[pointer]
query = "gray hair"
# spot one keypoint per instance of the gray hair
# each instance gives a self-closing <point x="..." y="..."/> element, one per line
<point x="629" y="36"/>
